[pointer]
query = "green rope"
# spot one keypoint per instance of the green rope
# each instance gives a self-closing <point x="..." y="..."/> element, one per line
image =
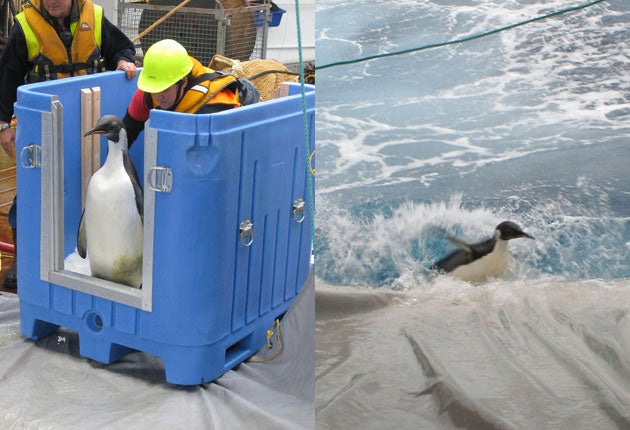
<point x="463" y="39"/>
<point x="307" y="149"/>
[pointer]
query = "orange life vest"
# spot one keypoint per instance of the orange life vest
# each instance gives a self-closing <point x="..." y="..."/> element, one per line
<point x="51" y="58"/>
<point x="205" y="87"/>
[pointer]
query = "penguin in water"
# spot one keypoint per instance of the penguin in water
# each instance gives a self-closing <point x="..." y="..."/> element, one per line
<point x="488" y="259"/>
<point x="111" y="226"/>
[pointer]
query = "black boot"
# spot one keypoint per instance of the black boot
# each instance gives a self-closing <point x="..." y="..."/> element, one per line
<point x="10" y="278"/>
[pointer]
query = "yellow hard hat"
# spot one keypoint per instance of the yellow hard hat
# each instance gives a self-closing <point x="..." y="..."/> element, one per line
<point x="165" y="63"/>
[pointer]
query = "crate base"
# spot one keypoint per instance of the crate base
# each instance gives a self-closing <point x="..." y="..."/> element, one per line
<point x="184" y="365"/>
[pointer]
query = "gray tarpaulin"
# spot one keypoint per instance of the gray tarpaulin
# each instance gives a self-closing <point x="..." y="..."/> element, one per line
<point x="542" y="354"/>
<point x="47" y="385"/>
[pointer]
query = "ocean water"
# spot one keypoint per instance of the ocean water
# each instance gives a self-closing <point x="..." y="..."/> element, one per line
<point x="532" y="125"/>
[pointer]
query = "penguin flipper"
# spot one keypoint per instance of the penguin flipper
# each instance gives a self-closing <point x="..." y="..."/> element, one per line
<point x="81" y="238"/>
<point x="135" y="182"/>
<point x="459" y="243"/>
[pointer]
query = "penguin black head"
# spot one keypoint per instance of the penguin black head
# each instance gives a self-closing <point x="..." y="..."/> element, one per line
<point x="109" y="126"/>
<point x="509" y="230"/>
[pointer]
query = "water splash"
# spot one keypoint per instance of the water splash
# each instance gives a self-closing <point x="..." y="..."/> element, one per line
<point x="396" y="246"/>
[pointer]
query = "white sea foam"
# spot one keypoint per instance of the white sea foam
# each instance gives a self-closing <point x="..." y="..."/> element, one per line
<point x="518" y="96"/>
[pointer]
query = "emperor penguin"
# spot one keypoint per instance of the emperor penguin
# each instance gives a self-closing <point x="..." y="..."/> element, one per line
<point x="111" y="227"/>
<point x="478" y="262"/>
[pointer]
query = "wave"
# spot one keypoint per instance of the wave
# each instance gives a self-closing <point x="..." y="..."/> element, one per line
<point x="396" y="247"/>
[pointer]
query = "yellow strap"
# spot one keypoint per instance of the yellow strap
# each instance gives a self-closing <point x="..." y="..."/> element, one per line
<point x="98" y="22"/>
<point x="270" y="332"/>
<point x="32" y="45"/>
<point x="310" y="163"/>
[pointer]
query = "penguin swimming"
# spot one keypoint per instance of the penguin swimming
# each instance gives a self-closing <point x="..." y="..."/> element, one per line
<point x="488" y="259"/>
<point x="111" y="227"/>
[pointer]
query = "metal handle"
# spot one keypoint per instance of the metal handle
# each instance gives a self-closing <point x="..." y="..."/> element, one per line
<point x="33" y="156"/>
<point x="298" y="210"/>
<point x="246" y="232"/>
<point x="160" y="179"/>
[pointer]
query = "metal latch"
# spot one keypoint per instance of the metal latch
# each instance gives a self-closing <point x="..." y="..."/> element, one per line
<point x="33" y="157"/>
<point x="298" y="210"/>
<point x="246" y="232"/>
<point x="160" y="179"/>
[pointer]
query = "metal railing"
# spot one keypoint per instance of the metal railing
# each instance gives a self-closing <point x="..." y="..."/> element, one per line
<point x="204" y="27"/>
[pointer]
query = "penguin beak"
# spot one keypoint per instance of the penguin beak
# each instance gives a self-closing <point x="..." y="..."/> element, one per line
<point x="94" y="131"/>
<point x="523" y="234"/>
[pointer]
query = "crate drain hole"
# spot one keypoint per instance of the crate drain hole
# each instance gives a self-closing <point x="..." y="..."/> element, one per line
<point x="94" y="322"/>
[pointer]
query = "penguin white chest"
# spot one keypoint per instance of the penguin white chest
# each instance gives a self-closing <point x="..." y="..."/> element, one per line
<point x="113" y="227"/>
<point x="492" y="265"/>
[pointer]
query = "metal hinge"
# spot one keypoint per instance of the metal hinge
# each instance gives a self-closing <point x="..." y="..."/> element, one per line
<point x="160" y="179"/>
<point x="33" y="155"/>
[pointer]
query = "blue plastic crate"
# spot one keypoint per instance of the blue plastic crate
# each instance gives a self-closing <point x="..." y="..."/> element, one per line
<point x="207" y="299"/>
<point x="276" y="17"/>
